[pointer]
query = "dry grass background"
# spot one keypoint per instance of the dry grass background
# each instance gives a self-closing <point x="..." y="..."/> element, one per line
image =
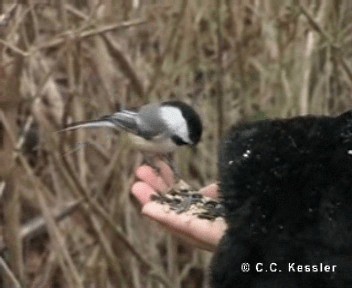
<point x="67" y="219"/>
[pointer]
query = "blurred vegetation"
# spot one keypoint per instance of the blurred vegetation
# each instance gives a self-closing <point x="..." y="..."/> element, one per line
<point x="67" y="219"/>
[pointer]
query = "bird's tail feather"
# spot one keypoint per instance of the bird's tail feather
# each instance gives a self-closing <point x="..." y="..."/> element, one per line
<point x="88" y="124"/>
<point x="125" y="120"/>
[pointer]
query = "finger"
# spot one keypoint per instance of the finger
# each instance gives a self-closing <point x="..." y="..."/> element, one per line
<point x="149" y="176"/>
<point x="211" y="190"/>
<point x="166" y="173"/>
<point x="142" y="191"/>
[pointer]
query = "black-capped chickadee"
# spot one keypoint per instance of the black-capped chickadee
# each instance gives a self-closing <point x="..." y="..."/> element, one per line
<point x="156" y="128"/>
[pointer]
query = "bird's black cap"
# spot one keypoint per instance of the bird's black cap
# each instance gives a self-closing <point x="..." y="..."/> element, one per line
<point x="191" y="116"/>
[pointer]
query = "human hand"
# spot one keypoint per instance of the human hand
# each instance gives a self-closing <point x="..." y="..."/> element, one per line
<point x="202" y="233"/>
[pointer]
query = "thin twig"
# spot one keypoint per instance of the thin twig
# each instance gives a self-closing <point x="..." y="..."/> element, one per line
<point x="125" y="65"/>
<point x="167" y="48"/>
<point x="40" y="189"/>
<point x="316" y="25"/>
<point x="117" y="230"/>
<point x="9" y="273"/>
<point x="6" y="17"/>
<point x="220" y="70"/>
<point x="38" y="226"/>
<point x="14" y="48"/>
<point x="77" y="35"/>
<point x="336" y="49"/>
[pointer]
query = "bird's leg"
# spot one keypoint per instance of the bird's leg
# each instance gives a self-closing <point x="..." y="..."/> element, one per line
<point x="149" y="159"/>
<point x="171" y="162"/>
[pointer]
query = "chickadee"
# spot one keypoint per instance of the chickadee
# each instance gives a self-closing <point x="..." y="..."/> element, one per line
<point x="155" y="128"/>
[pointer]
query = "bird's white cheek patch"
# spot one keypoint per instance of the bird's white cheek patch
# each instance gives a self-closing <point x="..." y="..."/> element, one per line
<point x="175" y="121"/>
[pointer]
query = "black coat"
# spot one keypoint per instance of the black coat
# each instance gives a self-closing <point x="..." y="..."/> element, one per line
<point x="287" y="189"/>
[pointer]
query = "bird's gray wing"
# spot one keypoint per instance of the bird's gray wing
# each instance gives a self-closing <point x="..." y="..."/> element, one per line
<point x="150" y="123"/>
<point x="125" y="119"/>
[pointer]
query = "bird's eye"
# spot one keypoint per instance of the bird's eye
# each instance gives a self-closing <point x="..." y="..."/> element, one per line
<point x="178" y="140"/>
